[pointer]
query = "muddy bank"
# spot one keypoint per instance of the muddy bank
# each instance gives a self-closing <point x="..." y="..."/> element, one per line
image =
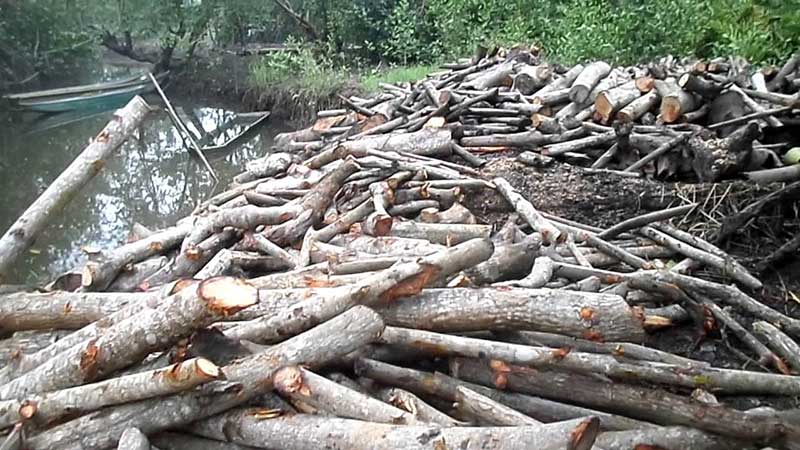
<point x="225" y="75"/>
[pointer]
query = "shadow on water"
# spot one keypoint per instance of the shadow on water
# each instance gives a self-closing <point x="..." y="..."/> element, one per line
<point x="151" y="179"/>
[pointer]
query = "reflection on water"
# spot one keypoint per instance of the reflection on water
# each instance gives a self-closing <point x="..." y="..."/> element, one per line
<point x="151" y="179"/>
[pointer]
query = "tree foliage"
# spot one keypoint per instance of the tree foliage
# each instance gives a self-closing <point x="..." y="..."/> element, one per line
<point x="413" y="31"/>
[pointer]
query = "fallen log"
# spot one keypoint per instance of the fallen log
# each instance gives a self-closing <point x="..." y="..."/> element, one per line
<point x="587" y="80"/>
<point x="443" y="386"/>
<point x="305" y="431"/>
<point x="485" y="411"/>
<point x="650" y="404"/>
<point x="60" y="310"/>
<point x="252" y="376"/>
<point x="718" y="380"/>
<point x="592" y="316"/>
<point x="527" y="211"/>
<point x="327" y="396"/>
<point x="131" y="340"/>
<point x="23" y="232"/>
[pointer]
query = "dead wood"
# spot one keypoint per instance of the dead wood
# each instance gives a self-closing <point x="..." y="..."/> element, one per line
<point x="415" y="406"/>
<point x="298" y="384"/>
<point x="485" y="411"/>
<point x="304" y="431"/>
<point x="443" y="386"/>
<point x="251" y="377"/>
<point x="718" y="380"/>
<point x="579" y="314"/>
<point x="130" y="340"/>
<point x="23" y="232"/>
<point x="650" y="404"/>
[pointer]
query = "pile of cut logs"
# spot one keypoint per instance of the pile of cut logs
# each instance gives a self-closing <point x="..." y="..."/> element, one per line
<point x="349" y="299"/>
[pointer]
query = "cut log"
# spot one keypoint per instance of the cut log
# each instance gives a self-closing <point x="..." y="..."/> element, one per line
<point x="599" y="317"/>
<point x="650" y="404"/>
<point x="252" y="376"/>
<point x="639" y="107"/>
<point x="485" y="411"/>
<point x="131" y="340"/>
<point x="548" y="231"/>
<point x="443" y="386"/>
<point x="609" y="102"/>
<point x="440" y="233"/>
<point x="718" y="380"/>
<point x="305" y="431"/>
<point x="60" y="310"/>
<point x="587" y="80"/>
<point x="541" y="273"/>
<point x="398" y="281"/>
<point x="23" y="232"/>
<point x="579" y="145"/>
<point x="532" y="78"/>
<point x="428" y="141"/>
<point x="675" y="104"/>
<point x="320" y="393"/>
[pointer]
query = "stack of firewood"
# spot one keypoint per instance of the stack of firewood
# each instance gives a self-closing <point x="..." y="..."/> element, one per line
<point x="350" y="299"/>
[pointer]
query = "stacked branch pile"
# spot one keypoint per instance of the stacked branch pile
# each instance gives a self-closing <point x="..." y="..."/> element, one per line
<point x="342" y="294"/>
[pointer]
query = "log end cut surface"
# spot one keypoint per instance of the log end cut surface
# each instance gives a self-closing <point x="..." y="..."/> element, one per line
<point x="227" y="295"/>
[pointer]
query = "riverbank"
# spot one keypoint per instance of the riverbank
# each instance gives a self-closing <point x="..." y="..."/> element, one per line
<point x="293" y="88"/>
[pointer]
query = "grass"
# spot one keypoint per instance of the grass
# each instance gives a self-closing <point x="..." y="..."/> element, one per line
<point x="296" y="85"/>
<point x="394" y="75"/>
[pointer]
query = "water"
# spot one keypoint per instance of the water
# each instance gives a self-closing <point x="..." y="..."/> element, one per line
<point x="151" y="179"/>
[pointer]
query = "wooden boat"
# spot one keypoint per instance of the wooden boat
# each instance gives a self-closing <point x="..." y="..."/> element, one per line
<point x="244" y="135"/>
<point x="93" y="96"/>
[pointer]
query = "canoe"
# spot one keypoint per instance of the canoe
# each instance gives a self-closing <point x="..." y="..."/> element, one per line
<point x="244" y="135"/>
<point x="97" y="96"/>
<point x="83" y="89"/>
<point x="106" y="99"/>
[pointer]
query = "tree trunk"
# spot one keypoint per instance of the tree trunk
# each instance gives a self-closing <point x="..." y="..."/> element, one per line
<point x="22" y="234"/>
<point x="305" y="431"/>
<point x="599" y="317"/>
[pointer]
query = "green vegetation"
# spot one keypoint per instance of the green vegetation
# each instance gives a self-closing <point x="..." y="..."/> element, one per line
<point x="352" y="37"/>
<point x="398" y="74"/>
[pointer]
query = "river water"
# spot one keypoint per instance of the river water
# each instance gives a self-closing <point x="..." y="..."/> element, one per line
<point x="151" y="179"/>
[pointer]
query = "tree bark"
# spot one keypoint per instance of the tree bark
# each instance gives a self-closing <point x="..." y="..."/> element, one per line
<point x="298" y="384"/>
<point x="133" y="439"/>
<point x="718" y="380"/>
<point x="60" y="310"/>
<point x="98" y="275"/>
<point x="646" y="403"/>
<point x="305" y="431"/>
<point x="527" y="211"/>
<point x="251" y="376"/>
<point x="22" y="234"/>
<point x="443" y="386"/>
<point x="484" y="411"/>
<point x="396" y="282"/>
<point x="131" y="340"/>
<point x="667" y="438"/>
<point x="599" y="317"/>
<point x="587" y="80"/>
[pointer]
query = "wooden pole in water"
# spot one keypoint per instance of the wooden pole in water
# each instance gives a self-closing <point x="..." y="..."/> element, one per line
<point x="23" y="232"/>
<point x="182" y="128"/>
